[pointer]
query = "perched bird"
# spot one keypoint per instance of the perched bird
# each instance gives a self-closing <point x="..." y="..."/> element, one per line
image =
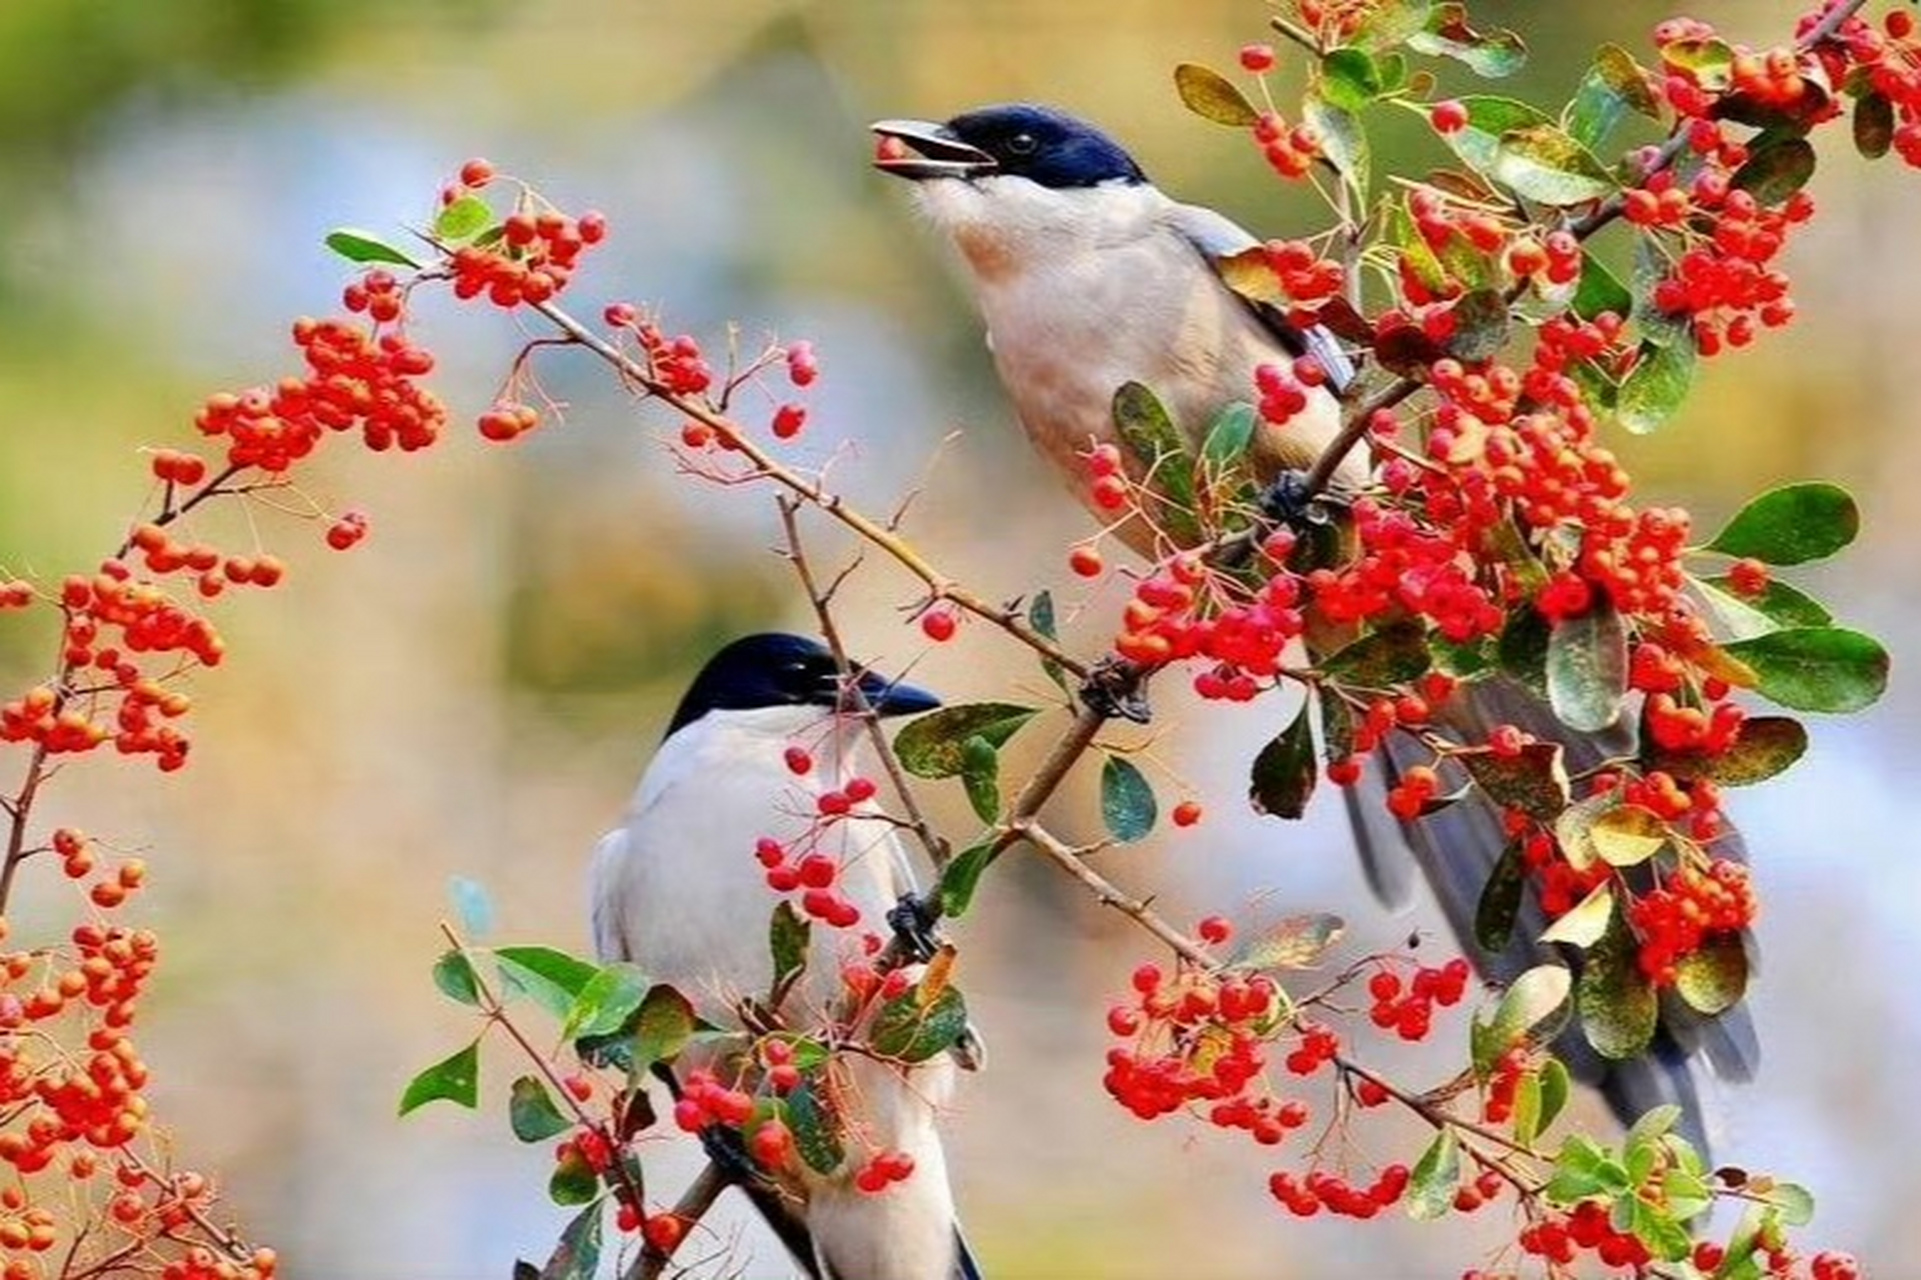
<point x="677" y="890"/>
<point x="1088" y="276"/>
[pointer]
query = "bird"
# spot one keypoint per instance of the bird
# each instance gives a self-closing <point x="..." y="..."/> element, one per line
<point x="1088" y="276"/>
<point x="676" y="889"/>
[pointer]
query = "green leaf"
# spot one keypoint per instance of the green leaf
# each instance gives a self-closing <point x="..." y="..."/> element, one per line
<point x="1535" y="781"/>
<point x="463" y="219"/>
<point x="1710" y="61"/>
<point x="665" y="1024"/>
<point x="1600" y="291"/>
<point x="1149" y="433"/>
<point x="1480" y="325"/>
<point x="454" y="975"/>
<point x="1228" y="438"/>
<point x="1040" y="616"/>
<point x="1587" y="668"/>
<point x="1285" y="771"/>
<point x="1527" y="1109"/>
<point x="1293" y="942"/>
<point x="1656" y="387"/>
<point x="1337" y="728"/>
<point x="788" y="937"/>
<point x="1714" y="978"/>
<point x="1391" y="22"/>
<point x="1436" y="1176"/>
<point x="904" y="1030"/>
<point x="1776" y="169"/>
<point x="1651" y="1125"/>
<point x="605" y="1003"/>
<point x="455" y="1079"/>
<point x="932" y="746"/>
<point x="364" y="246"/>
<point x="1795" y="1203"/>
<point x="1582" y="1169"/>
<point x="1617" y="1003"/>
<point x="1574" y="828"/>
<point x="1540" y="162"/>
<point x="1555" y="1087"/>
<point x="816" y="1129"/>
<point x="958" y="881"/>
<point x="1792" y="525"/>
<point x="1212" y="96"/>
<point x="1587" y="922"/>
<point x="1615" y="85"/>
<point x="1780" y="605"/>
<point x="573" y="1180"/>
<point x="1500" y="900"/>
<point x="1665" y="1238"/>
<point x="552" y="978"/>
<point x="1873" y="124"/>
<point x="1492" y="55"/>
<point x="1816" y="668"/>
<point x="577" y="1256"/>
<point x="1394" y="655"/>
<point x="1350" y="79"/>
<point x="532" y="1113"/>
<point x="1343" y="140"/>
<point x="472" y="906"/>
<point x="1628" y="835"/>
<point x="1522" y="649"/>
<point x="1768" y="745"/>
<point x="1127" y="801"/>
<point x="980" y="775"/>
<point x="1533" y="1008"/>
<point x="1489" y="120"/>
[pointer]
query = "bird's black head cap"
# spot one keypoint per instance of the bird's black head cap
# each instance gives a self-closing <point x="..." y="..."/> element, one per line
<point x="1014" y="139"/>
<point x="773" y="669"/>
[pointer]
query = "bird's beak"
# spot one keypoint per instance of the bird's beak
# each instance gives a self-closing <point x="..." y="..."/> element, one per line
<point x="919" y="150"/>
<point x="892" y="698"/>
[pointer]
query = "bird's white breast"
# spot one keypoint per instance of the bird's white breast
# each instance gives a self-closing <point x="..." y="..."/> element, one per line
<point x="1083" y="290"/>
<point x="677" y="888"/>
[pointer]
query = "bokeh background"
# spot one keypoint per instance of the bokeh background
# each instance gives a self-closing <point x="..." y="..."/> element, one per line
<point x="473" y="692"/>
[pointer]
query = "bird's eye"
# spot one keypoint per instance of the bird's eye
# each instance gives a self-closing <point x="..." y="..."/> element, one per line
<point x="1022" y="144"/>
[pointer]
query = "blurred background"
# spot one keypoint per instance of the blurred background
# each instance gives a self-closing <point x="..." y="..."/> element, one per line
<point x="474" y="691"/>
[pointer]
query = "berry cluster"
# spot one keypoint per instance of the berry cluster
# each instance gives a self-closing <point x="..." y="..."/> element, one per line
<point x="1409" y="1008"/>
<point x="529" y="256"/>
<point x="355" y="381"/>
<point x="801" y="867"/>
<point x="1689" y="911"/>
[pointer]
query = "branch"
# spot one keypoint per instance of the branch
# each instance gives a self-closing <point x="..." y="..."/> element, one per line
<point x="938" y="850"/>
<point x="811" y="491"/>
<point x="692" y="1206"/>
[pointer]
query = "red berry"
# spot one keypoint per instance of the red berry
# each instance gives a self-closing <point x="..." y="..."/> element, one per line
<point x="476" y="173"/>
<point x="1085" y="561"/>
<point x="1256" y="58"/>
<point x="1448" y="117"/>
<point x="1186" y="813"/>
<point x="1214" y="930"/>
<point x="938" y="624"/>
<point x="788" y="420"/>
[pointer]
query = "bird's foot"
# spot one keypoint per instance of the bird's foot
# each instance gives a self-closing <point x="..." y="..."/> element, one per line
<point x="1114" y="690"/>
<point x="1291" y="502"/>
<point x="915" y="927"/>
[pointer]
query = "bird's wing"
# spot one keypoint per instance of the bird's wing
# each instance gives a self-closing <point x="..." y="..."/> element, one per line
<point x="1215" y="236"/>
<point x="604" y="895"/>
<point x="1456" y="849"/>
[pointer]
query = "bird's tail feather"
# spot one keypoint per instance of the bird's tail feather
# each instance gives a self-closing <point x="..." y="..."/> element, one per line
<point x="1456" y="850"/>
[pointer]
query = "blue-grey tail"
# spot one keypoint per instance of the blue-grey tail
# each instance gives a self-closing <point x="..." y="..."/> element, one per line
<point x="1456" y="850"/>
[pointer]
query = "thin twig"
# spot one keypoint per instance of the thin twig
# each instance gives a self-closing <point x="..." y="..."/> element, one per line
<point x="938" y="850"/>
<point x="691" y="1207"/>
<point x="811" y="491"/>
